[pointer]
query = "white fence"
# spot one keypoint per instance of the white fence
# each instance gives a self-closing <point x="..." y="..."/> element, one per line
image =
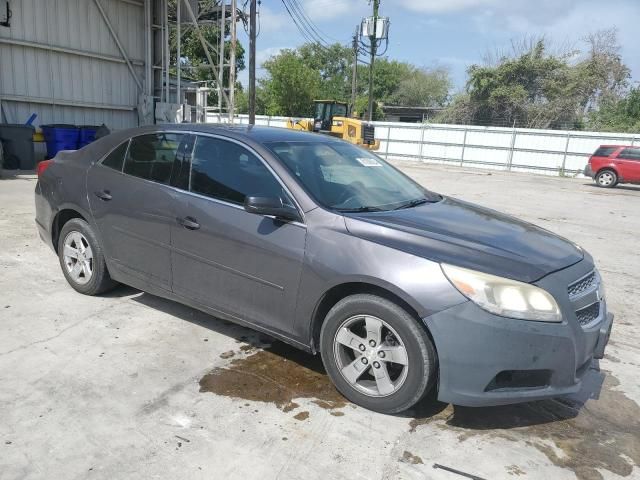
<point x="549" y="152"/>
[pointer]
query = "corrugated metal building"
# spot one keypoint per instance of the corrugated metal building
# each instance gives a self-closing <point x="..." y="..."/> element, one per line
<point x="61" y="60"/>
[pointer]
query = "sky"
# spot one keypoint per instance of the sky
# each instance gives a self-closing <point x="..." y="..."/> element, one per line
<point x="455" y="33"/>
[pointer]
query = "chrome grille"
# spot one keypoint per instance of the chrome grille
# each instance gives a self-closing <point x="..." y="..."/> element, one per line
<point x="584" y="295"/>
<point x="588" y="314"/>
<point x="583" y="285"/>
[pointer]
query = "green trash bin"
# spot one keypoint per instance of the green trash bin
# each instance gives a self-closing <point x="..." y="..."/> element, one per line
<point x="17" y="143"/>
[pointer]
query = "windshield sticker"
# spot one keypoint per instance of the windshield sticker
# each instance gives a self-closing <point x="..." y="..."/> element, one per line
<point x="368" y="162"/>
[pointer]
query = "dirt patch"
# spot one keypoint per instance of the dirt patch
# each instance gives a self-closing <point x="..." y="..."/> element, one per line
<point x="601" y="433"/>
<point x="408" y="457"/>
<point x="301" y="416"/>
<point x="277" y="374"/>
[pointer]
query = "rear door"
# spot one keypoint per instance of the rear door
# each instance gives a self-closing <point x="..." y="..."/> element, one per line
<point x="134" y="208"/>
<point x="238" y="263"/>
<point x="628" y="162"/>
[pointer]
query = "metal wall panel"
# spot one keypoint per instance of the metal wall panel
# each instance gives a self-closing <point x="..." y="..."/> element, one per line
<point x="92" y="84"/>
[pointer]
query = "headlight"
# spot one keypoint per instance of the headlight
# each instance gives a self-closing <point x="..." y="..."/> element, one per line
<point x="504" y="297"/>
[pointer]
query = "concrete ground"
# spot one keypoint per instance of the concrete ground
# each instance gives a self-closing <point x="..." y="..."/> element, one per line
<point x="128" y="385"/>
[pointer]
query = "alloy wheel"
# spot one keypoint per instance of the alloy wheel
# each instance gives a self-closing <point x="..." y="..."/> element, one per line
<point x="371" y="356"/>
<point x="605" y="179"/>
<point x="78" y="257"/>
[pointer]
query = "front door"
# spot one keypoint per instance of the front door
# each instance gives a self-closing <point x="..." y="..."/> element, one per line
<point x="238" y="263"/>
<point x="134" y="208"/>
<point x="628" y="162"/>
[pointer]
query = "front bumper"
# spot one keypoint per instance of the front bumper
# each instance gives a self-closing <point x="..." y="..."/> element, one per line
<point x="486" y="360"/>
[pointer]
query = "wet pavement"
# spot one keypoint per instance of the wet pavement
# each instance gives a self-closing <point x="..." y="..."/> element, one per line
<point x="128" y="385"/>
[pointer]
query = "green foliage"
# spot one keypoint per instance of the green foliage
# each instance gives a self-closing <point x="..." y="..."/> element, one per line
<point x="537" y="89"/>
<point x="334" y="66"/>
<point x="312" y="72"/>
<point x="622" y="115"/>
<point x="362" y="105"/>
<point x="423" y="88"/>
<point x="290" y="86"/>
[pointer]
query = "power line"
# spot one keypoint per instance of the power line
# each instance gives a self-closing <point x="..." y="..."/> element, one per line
<point x="310" y="22"/>
<point x="304" y="25"/>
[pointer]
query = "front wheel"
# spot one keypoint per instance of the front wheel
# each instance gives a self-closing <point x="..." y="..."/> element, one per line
<point x="606" y="178"/>
<point x="377" y="354"/>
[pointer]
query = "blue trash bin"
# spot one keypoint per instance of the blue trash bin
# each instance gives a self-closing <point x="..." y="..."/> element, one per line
<point x="60" y="137"/>
<point x="87" y="135"/>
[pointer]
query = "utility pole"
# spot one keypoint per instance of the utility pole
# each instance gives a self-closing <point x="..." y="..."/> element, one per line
<point x="179" y="53"/>
<point x="373" y="40"/>
<point x="232" y="61"/>
<point x="354" y="72"/>
<point x="252" y="63"/>
<point x="223" y="29"/>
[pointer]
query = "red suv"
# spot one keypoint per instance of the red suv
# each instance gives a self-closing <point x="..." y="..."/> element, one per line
<point x="613" y="164"/>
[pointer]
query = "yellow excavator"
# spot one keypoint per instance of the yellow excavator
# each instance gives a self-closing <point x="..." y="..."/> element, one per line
<point x="332" y="118"/>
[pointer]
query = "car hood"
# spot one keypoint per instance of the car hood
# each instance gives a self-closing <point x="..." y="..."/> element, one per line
<point x="460" y="233"/>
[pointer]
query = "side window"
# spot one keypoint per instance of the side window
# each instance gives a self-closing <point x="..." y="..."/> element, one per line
<point x="116" y="158"/>
<point x="227" y="171"/>
<point x="181" y="164"/>
<point x="151" y="156"/>
<point x="630" y="154"/>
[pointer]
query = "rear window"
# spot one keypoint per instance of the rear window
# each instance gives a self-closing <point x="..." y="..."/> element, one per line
<point x="604" y="151"/>
<point x="151" y="156"/>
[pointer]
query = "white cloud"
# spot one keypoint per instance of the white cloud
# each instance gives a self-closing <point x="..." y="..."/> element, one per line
<point x="320" y="10"/>
<point x="446" y="6"/>
<point x="271" y="21"/>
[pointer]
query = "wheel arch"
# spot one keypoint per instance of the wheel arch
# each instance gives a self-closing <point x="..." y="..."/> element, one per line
<point x="342" y="290"/>
<point x="607" y="167"/>
<point x="61" y="218"/>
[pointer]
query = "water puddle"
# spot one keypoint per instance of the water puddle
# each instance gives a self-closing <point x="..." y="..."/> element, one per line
<point x="597" y="430"/>
<point x="583" y="436"/>
<point x="276" y="374"/>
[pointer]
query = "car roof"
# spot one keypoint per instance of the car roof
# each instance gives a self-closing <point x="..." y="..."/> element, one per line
<point x="619" y="146"/>
<point x="256" y="133"/>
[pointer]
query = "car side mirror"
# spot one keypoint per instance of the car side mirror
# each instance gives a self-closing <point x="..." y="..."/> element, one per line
<point x="272" y="206"/>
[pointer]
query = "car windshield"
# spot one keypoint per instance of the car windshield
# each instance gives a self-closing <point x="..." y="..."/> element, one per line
<point x="347" y="178"/>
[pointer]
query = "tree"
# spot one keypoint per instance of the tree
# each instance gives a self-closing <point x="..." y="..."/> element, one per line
<point x="536" y="89"/>
<point x="617" y="115"/>
<point x="333" y="63"/>
<point x="423" y="88"/>
<point x="387" y="76"/>
<point x="290" y="86"/>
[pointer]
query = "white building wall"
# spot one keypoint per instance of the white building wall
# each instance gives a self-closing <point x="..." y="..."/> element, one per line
<point x="90" y="85"/>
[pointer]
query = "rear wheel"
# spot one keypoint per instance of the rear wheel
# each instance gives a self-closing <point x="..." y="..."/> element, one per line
<point x="606" y="178"/>
<point x="82" y="259"/>
<point x="377" y="354"/>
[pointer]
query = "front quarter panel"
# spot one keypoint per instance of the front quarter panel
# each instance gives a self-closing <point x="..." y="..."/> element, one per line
<point x="334" y="257"/>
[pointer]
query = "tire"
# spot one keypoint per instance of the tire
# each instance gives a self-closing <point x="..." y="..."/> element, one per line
<point x="88" y="272"/>
<point x="606" y="179"/>
<point x="356" y="321"/>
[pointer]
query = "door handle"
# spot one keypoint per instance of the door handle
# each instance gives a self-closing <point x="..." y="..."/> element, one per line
<point x="189" y="223"/>
<point x="104" y="195"/>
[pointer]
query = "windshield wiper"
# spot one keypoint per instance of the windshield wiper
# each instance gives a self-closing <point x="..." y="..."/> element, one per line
<point x="414" y="203"/>
<point x="360" y="210"/>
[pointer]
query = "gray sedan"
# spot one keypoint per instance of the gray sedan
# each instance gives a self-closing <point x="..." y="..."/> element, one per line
<point x="331" y="249"/>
